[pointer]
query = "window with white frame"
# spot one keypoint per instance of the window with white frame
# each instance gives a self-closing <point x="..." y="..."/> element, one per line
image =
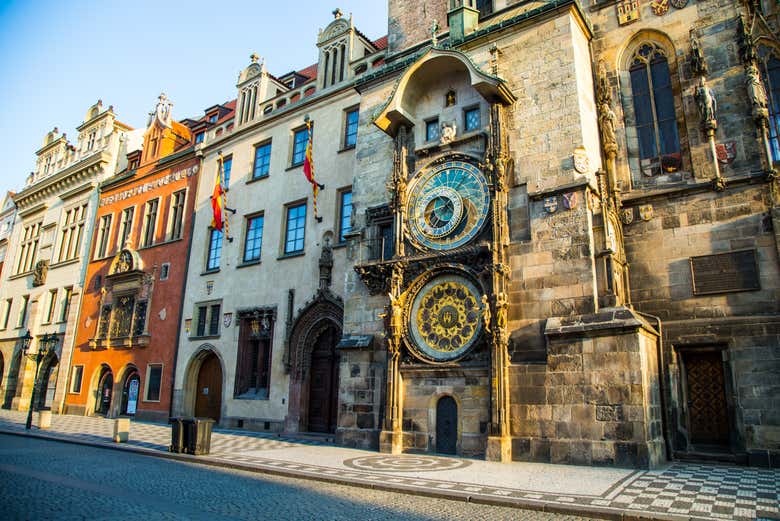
<point x="177" y="214"/>
<point x="150" y="222"/>
<point x="207" y="319"/>
<point x="65" y="309"/>
<point x="345" y="214"/>
<point x="72" y="232"/>
<point x="215" y="250"/>
<point x="104" y="233"/>
<point x="76" y="376"/>
<point x="300" y="141"/>
<point x="28" y="247"/>
<point x="153" y="382"/>
<point x="253" y="241"/>
<point x="294" y="237"/>
<point x="51" y="305"/>
<point x="351" y="128"/>
<point x="125" y="227"/>
<point x="22" y="318"/>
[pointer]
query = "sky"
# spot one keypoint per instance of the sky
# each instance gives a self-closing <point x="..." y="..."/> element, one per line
<point x="58" y="58"/>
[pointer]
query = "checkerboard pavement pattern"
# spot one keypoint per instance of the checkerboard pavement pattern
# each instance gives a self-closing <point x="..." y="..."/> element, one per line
<point x="679" y="491"/>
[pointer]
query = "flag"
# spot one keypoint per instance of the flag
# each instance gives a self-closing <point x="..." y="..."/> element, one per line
<point x="219" y="218"/>
<point x="308" y="170"/>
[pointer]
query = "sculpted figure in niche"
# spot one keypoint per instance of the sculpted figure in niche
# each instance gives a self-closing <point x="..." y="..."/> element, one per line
<point x="450" y="99"/>
<point x="501" y="308"/>
<point x="486" y="315"/>
<point x="705" y="101"/>
<point x="448" y="131"/>
<point x="755" y="88"/>
<point x="396" y="319"/>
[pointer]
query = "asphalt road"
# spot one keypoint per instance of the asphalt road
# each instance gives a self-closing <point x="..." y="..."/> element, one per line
<point x="42" y="479"/>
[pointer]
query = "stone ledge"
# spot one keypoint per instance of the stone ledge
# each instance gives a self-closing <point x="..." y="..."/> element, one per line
<point x="602" y="323"/>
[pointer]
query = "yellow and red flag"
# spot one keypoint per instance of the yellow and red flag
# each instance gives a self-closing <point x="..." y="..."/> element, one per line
<point x="219" y="218"/>
<point x="308" y="170"/>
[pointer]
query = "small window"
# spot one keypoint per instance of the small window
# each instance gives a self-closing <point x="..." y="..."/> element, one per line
<point x="215" y="250"/>
<point x="296" y="229"/>
<point x="153" y="382"/>
<point x="485" y="7"/>
<point x="76" y="375"/>
<point x="199" y="137"/>
<point x="52" y="304"/>
<point x="300" y="140"/>
<point x="213" y="118"/>
<point x="22" y="319"/>
<point x="227" y="166"/>
<point x="254" y="238"/>
<point x="432" y="130"/>
<point x="472" y="119"/>
<point x="7" y="312"/>
<point x="165" y="270"/>
<point x="98" y="283"/>
<point x="200" y="323"/>
<point x="214" y="319"/>
<point x="770" y="75"/>
<point x="351" y="128"/>
<point x="345" y="215"/>
<point x="66" y="304"/>
<point x="262" y="164"/>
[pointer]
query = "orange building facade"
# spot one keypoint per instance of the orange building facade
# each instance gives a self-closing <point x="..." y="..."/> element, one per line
<point x="124" y="356"/>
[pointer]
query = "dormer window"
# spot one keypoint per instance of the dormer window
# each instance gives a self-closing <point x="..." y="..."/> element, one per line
<point x="47" y="166"/>
<point x="213" y="118"/>
<point x="199" y="137"/>
<point x="91" y="140"/>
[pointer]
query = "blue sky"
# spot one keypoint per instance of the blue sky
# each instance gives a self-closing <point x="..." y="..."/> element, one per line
<point x="58" y="58"/>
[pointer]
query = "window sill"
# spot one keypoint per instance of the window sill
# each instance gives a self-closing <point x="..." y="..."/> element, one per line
<point x="120" y="342"/>
<point x="209" y="272"/>
<point x="206" y="337"/>
<point x="346" y="149"/>
<point x="291" y="255"/>
<point x="21" y="275"/>
<point x="248" y="263"/>
<point x="64" y="263"/>
<point x="256" y="179"/>
<point x="251" y="396"/>
<point x="293" y="167"/>
<point x="340" y="245"/>
<point x="150" y="401"/>
<point x="161" y="243"/>
<point x="75" y="392"/>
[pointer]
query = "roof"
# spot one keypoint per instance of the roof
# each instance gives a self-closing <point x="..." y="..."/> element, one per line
<point x="311" y="71"/>
<point x="381" y="43"/>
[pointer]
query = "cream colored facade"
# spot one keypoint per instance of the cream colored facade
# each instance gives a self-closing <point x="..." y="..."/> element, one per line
<point x="270" y="110"/>
<point x="46" y="258"/>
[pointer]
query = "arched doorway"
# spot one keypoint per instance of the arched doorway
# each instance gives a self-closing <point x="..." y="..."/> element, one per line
<point x="324" y="382"/>
<point x="130" y="392"/>
<point x="105" y="390"/>
<point x="47" y="382"/>
<point x="446" y="425"/>
<point x="313" y="364"/>
<point x="208" y="391"/>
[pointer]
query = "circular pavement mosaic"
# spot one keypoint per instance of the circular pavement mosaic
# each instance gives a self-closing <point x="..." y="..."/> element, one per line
<point x="405" y="463"/>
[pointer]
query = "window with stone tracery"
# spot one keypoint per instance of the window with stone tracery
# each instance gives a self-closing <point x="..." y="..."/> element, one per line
<point x="653" y="100"/>
<point x="770" y="75"/>
<point x="28" y="249"/>
<point x="122" y="316"/>
<point x="72" y="232"/>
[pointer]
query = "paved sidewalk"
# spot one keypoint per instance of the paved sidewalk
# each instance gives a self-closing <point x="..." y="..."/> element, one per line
<point x="680" y="491"/>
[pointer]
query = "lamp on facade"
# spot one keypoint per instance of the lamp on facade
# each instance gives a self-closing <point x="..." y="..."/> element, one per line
<point x="45" y="347"/>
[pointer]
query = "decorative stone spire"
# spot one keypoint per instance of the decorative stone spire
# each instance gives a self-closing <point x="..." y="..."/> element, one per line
<point x="337" y="13"/>
<point x="254" y="57"/>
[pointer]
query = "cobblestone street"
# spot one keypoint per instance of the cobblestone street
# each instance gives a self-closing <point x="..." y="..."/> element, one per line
<point x="94" y="483"/>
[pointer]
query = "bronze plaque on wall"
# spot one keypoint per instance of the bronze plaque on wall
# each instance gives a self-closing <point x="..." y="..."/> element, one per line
<point x="725" y="272"/>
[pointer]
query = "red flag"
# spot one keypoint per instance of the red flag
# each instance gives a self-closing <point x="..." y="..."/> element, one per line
<point x="308" y="170"/>
<point x="218" y="220"/>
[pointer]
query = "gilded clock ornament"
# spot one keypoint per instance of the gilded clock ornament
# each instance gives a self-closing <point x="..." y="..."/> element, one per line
<point x="447" y="205"/>
<point x="445" y="318"/>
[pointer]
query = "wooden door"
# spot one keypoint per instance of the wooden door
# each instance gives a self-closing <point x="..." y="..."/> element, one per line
<point x="323" y="384"/>
<point x="208" y="399"/>
<point x="446" y="425"/>
<point x="105" y="390"/>
<point x="707" y="409"/>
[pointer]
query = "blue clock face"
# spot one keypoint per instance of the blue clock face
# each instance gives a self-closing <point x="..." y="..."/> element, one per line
<point x="447" y="205"/>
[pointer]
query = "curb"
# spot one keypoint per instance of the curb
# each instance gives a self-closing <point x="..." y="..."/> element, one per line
<point x="594" y="512"/>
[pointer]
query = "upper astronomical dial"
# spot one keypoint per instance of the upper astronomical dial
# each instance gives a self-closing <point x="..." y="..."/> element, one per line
<point x="448" y="205"/>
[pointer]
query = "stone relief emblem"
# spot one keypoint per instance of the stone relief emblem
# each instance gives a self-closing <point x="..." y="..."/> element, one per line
<point x="659" y="7"/>
<point x="646" y="212"/>
<point x="627" y="215"/>
<point x="227" y="319"/>
<point x="581" y="162"/>
<point x="678" y="4"/>
<point x="570" y="200"/>
<point x="627" y="11"/>
<point x="551" y="204"/>
<point x="726" y="152"/>
<point x="209" y="287"/>
<point x="39" y="273"/>
<point x="448" y="131"/>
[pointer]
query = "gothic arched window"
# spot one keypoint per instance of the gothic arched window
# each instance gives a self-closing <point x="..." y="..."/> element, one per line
<point x="653" y="101"/>
<point x="770" y="74"/>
